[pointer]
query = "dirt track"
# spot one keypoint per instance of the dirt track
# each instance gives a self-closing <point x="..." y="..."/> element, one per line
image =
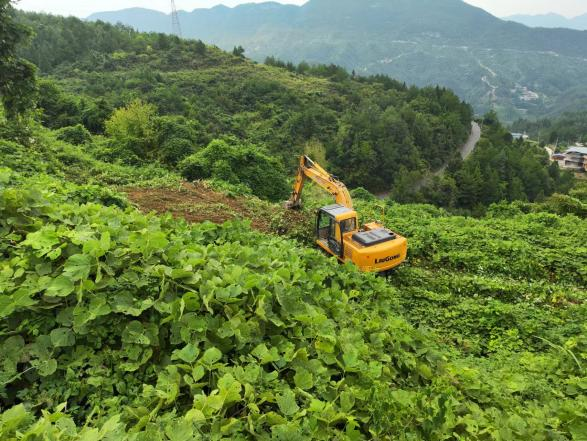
<point x="197" y="202"/>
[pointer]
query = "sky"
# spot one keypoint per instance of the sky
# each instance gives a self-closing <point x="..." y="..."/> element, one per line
<point x="83" y="8"/>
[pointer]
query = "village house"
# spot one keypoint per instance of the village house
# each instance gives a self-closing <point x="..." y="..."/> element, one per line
<point x="574" y="159"/>
<point x="521" y="136"/>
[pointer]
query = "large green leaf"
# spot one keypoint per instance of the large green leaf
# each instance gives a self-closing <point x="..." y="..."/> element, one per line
<point x="287" y="403"/>
<point x="61" y="286"/>
<point x="62" y="337"/>
<point x="78" y="267"/>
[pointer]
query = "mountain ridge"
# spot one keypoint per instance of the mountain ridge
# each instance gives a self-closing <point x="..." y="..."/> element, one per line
<point x="426" y="11"/>
<point x="494" y="64"/>
<point x="550" y="20"/>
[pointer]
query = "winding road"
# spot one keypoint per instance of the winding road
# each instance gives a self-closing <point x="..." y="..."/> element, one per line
<point x="466" y="149"/>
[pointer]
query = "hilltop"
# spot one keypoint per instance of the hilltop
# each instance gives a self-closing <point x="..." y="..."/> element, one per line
<point x="489" y="62"/>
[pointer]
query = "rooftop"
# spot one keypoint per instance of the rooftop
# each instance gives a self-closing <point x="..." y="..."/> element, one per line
<point x="582" y="150"/>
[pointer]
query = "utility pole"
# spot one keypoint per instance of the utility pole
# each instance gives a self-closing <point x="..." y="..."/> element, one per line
<point x="175" y="25"/>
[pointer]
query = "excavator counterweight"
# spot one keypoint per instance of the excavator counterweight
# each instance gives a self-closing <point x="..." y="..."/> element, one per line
<point x="373" y="248"/>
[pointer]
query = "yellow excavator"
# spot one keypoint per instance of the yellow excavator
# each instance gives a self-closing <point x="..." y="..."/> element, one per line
<point x="373" y="248"/>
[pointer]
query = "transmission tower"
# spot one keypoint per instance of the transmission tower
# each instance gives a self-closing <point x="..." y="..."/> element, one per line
<point x="175" y="25"/>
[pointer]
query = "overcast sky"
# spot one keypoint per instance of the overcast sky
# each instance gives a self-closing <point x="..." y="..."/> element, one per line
<point x="83" y="8"/>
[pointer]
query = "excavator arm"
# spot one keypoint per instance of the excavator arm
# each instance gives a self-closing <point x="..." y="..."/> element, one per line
<point x="308" y="169"/>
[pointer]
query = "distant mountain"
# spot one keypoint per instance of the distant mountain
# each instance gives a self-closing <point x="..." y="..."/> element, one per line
<point x="551" y="21"/>
<point x="519" y="71"/>
<point x="150" y="21"/>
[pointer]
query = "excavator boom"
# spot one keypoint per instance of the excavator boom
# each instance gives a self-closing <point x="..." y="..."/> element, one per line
<point x="308" y="169"/>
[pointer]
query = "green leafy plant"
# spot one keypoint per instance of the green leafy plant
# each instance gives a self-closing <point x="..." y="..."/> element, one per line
<point x="76" y="135"/>
<point x="207" y="331"/>
<point x="236" y="164"/>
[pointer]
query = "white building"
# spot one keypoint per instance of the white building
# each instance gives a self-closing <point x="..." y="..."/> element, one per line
<point x="518" y="136"/>
<point x="575" y="159"/>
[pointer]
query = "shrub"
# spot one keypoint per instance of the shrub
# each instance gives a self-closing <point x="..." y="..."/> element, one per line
<point x="76" y="135"/>
<point x="238" y="163"/>
<point x="562" y="204"/>
<point x="580" y="191"/>
<point x="59" y="108"/>
<point x="177" y="137"/>
<point x="363" y="194"/>
<point x="132" y="128"/>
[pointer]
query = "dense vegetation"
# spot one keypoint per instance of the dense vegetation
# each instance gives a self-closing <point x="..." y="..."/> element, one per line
<point x="238" y="164"/>
<point x="374" y="131"/>
<point x="17" y="84"/>
<point x="567" y="129"/>
<point x="359" y="124"/>
<point x="500" y="169"/>
<point x="182" y="331"/>
<point x="116" y="325"/>
<point x="490" y="63"/>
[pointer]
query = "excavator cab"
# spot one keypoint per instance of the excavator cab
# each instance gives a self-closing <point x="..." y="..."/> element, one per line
<point x="373" y="248"/>
<point x="332" y="223"/>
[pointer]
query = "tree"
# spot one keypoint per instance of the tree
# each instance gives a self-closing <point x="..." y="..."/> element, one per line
<point x="94" y="115"/>
<point x="239" y="51"/>
<point x="516" y="190"/>
<point x="132" y="128"/>
<point x="470" y="185"/>
<point x="76" y="135"/>
<point x="17" y="76"/>
<point x="60" y="109"/>
<point x="405" y="187"/>
<point x="177" y="137"/>
<point x="442" y="191"/>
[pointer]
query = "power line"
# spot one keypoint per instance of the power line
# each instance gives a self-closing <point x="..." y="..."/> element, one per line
<point x="175" y="24"/>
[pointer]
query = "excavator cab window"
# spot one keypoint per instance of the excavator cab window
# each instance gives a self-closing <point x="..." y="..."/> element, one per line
<point x="334" y="241"/>
<point x="348" y="225"/>
<point x="328" y="230"/>
<point x="324" y="222"/>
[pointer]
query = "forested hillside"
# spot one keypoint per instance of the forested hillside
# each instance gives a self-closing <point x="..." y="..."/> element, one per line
<point x="120" y="324"/>
<point x="568" y="129"/>
<point x="201" y="112"/>
<point x="365" y="127"/>
<point x="490" y="63"/>
<point x="500" y="169"/>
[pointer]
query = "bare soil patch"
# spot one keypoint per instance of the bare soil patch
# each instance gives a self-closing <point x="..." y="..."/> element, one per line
<point x="197" y="202"/>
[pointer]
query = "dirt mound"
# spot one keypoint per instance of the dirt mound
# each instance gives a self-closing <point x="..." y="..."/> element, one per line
<point x="197" y="202"/>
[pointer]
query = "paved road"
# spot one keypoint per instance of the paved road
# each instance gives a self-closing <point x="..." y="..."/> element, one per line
<point x="471" y="143"/>
<point x="466" y="149"/>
